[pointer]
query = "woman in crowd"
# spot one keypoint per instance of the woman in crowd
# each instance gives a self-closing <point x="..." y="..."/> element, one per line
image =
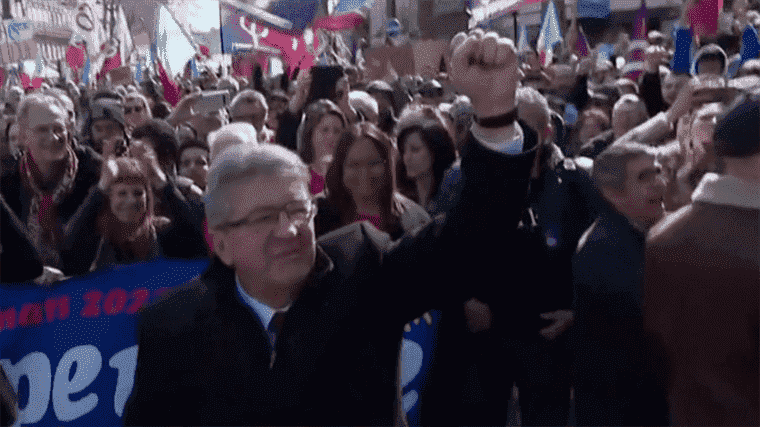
<point x="361" y="186"/>
<point x="318" y="136"/>
<point x="427" y="149"/>
<point x="127" y="226"/>
<point x="194" y="161"/>
<point x="136" y="111"/>
<point x="321" y="82"/>
<point x="162" y="138"/>
<point x="122" y="211"/>
<point x="592" y="122"/>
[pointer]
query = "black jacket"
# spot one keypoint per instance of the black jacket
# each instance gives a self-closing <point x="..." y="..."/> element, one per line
<point x="18" y="196"/>
<point x="19" y="259"/>
<point x="597" y="144"/>
<point x="182" y="238"/>
<point x="204" y="356"/>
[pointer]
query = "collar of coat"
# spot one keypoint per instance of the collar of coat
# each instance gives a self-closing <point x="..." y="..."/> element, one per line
<point x="727" y="190"/>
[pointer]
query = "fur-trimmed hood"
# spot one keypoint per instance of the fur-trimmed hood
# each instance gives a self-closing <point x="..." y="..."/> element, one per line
<point x="727" y="190"/>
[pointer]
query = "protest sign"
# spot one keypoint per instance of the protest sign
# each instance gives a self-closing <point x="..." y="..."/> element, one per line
<point x="121" y="75"/>
<point x="428" y="55"/>
<point x="400" y="58"/>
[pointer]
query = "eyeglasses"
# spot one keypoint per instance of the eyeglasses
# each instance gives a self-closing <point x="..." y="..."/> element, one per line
<point x="136" y="109"/>
<point x="266" y="220"/>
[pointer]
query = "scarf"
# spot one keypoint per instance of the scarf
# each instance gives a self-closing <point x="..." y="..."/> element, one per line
<point x="43" y="222"/>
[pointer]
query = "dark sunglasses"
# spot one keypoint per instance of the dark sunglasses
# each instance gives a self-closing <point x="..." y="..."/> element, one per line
<point x="128" y="110"/>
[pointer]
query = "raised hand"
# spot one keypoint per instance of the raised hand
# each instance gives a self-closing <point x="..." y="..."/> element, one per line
<point x="563" y="319"/>
<point x="655" y="56"/>
<point x="485" y="68"/>
<point x="145" y="154"/>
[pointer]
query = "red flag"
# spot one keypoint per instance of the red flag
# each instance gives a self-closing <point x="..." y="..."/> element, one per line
<point x="75" y="55"/>
<point x="337" y="23"/>
<point x="112" y="61"/>
<point x="31" y="83"/>
<point x="703" y="16"/>
<point x="205" y="51"/>
<point x="300" y="57"/>
<point x="172" y="93"/>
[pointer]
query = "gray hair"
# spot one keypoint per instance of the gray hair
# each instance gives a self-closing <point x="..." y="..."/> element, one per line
<point x="631" y="122"/>
<point x="138" y="96"/>
<point x="611" y="165"/>
<point x="249" y="95"/>
<point x="239" y="164"/>
<point x="529" y="95"/>
<point x="363" y="102"/>
<point x="231" y="135"/>
<point x="39" y="100"/>
<point x="228" y="83"/>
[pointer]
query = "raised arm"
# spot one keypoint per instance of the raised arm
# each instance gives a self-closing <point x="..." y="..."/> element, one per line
<point x="453" y="258"/>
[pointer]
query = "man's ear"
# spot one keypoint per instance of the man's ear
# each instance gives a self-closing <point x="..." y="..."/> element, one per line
<point x="615" y="197"/>
<point x="221" y="248"/>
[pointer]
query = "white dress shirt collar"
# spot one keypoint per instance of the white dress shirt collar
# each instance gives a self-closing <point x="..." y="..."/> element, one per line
<point x="264" y="312"/>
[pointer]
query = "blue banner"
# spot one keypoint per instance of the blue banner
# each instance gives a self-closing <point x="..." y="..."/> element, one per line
<point x="70" y="351"/>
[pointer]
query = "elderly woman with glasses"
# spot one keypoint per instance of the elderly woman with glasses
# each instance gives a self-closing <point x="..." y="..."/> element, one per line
<point x="361" y="186"/>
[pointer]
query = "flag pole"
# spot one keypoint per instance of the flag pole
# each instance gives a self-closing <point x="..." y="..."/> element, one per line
<point x="195" y="45"/>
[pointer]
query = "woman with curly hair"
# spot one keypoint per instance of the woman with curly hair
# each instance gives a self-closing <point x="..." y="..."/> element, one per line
<point x="425" y="141"/>
<point x="361" y="186"/>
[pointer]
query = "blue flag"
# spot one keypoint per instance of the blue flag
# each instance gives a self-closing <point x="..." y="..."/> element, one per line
<point x="138" y="71"/>
<point x="86" y="71"/>
<point x="194" y="69"/>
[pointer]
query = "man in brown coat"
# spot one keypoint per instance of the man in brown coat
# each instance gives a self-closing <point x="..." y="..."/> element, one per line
<point x="703" y="283"/>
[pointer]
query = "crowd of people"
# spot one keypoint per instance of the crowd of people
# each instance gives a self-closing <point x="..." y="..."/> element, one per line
<point x="577" y="229"/>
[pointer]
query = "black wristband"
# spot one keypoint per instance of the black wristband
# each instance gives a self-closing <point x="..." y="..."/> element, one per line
<point x="503" y="120"/>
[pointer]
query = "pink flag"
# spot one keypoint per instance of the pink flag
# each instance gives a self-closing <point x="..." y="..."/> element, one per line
<point x="31" y="83"/>
<point x="703" y="16"/>
<point x="172" y="93"/>
<point x="337" y="23"/>
<point x="293" y="50"/>
<point x="634" y="66"/>
<point x="112" y="61"/>
<point x="75" y="55"/>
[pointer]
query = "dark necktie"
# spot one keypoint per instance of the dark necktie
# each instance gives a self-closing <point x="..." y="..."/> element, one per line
<point x="273" y="330"/>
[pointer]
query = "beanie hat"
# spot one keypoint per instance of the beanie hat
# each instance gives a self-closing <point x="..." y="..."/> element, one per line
<point x="107" y="109"/>
<point x="738" y="131"/>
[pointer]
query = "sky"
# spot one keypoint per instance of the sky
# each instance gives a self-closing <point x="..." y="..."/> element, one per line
<point x="196" y="15"/>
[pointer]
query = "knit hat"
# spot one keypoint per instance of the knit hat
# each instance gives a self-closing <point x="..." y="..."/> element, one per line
<point x="738" y="131"/>
<point x="107" y="109"/>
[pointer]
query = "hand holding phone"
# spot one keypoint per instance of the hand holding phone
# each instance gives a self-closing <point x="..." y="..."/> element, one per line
<point x="210" y="102"/>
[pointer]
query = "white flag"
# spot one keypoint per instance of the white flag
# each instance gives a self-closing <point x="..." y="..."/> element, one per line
<point x="173" y="46"/>
<point x="125" y="38"/>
